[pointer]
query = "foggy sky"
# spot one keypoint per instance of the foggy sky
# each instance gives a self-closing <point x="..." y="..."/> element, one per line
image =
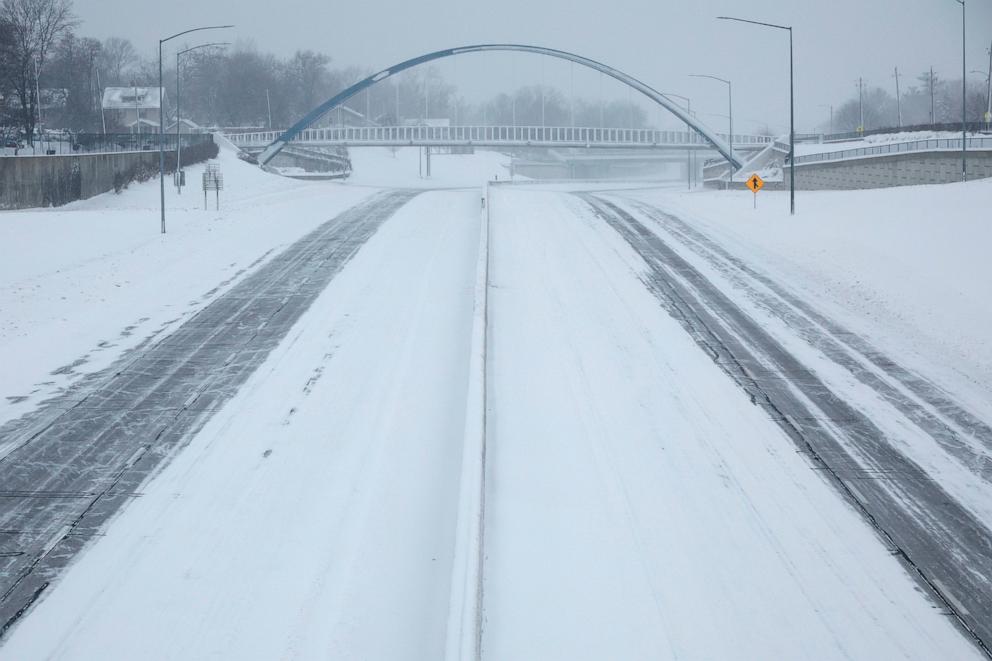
<point x="659" y="42"/>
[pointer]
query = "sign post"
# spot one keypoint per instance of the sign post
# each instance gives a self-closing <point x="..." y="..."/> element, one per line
<point x="212" y="180"/>
<point x="755" y="183"/>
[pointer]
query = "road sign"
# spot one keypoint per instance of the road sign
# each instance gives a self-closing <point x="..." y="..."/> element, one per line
<point x="755" y="183"/>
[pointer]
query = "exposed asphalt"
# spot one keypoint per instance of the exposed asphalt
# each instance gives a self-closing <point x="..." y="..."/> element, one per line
<point x="941" y="542"/>
<point x="83" y="455"/>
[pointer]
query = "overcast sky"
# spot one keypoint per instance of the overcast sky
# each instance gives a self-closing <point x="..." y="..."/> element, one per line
<point x="658" y="42"/>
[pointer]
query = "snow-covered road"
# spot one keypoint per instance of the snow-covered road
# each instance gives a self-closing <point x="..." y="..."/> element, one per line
<point x="637" y="503"/>
<point x="640" y="506"/>
<point x="314" y="516"/>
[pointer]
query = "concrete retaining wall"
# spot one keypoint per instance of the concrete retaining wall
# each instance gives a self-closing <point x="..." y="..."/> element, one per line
<point x="51" y="181"/>
<point x="910" y="169"/>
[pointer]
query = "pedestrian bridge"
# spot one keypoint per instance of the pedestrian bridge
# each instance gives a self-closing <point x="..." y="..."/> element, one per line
<point x="496" y="136"/>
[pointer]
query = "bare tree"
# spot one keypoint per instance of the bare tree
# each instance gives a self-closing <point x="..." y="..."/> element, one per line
<point x="35" y="26"/>
<point x="117" y="58"/>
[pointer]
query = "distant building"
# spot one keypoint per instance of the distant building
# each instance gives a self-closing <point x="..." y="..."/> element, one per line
<point x="188" y="126"/>
<point x="134" y="109"/>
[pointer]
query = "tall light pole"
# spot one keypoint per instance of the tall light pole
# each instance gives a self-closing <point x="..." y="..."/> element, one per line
<point x="179" y="76"/>
<point x="988" y="108"/>
<point x="688" y="131"/>
<point x="964" y="97"/>
<point x="861" y="106"/>
<point x="161" y="115"/>
<point x="730" y="100"/>
<point x="898" y="100"/>
<point x="792" y="108"/>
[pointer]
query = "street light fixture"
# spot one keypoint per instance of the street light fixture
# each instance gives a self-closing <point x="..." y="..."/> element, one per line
<point x="792" y="108"/>
<point x="688" y="132"/>
<point x="179" y="145"/>
<point x="161" y="115"/>
<point x="730" y="98"/>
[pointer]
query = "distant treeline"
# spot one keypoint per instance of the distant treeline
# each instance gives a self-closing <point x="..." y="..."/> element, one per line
<point x="41" y="49"/>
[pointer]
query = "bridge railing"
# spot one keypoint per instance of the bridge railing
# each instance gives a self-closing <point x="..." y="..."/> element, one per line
<point x="941" y="144"/>
<point x="517" y="135"/>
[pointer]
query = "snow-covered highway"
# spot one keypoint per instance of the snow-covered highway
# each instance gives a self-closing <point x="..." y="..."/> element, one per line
<point x="686" y="455"/>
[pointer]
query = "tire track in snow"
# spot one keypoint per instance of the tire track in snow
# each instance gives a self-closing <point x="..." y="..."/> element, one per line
<point x="82" y="456"/>
<point x="938" y="540"/>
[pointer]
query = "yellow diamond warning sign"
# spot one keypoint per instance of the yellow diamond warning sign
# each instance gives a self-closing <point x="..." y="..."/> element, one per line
<point x="755" y="183"/>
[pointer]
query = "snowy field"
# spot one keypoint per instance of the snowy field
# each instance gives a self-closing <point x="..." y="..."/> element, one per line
<point x="638" y="505"/>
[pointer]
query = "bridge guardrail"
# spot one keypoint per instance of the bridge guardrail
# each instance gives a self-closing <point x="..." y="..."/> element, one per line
<point x="510" y="135"/>
<point x="933" y="144"/>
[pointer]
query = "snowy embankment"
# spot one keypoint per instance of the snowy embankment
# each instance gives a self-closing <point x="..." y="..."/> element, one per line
<point x="83" y="283"/>
<point x="805" y="148"/>
<point x="907" y="268"/>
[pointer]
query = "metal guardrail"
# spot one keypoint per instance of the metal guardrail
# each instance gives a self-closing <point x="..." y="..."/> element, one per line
<point x="953" y="127"/>
<point x="103" y="143"/>
<point x="936" y="144"/>
<point x="495" y="135"/>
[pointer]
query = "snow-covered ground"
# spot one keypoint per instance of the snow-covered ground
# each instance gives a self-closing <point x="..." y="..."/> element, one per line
<point x="907" y="267"/>
<point x="640" y="506"/>
<point x="82" y="283"/>
<point x="314" y="517"/>
<point x="383" y="166"/>
<point x="637" y="504"/>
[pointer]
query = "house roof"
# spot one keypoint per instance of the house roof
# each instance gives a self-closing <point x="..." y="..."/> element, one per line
<point x="128" y="98"/>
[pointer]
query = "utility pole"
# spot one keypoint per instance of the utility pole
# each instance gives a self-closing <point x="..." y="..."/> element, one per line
<point x="964" y="97"/>
<point x="988" y="108"/>
<point x="861" y="106"/>
<point x="898" y="99"/>
<point x="932" y="115"/>
<point x="268" y="105"/>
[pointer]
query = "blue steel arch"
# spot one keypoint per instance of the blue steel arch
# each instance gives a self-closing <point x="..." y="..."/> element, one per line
<point x="276" y="146"/>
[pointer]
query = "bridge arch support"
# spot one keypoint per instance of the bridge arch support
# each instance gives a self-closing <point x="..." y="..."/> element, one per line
<point x="338" y="99"/>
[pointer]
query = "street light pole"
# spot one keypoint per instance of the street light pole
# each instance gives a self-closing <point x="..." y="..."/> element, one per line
<point x="898" y="100"/>
<point x="792" y="108"/>
<point x="964" y="97"/>
<point x="179" y="144"/>
<point x="161" y="116"/>
<point x="730" y="100"/>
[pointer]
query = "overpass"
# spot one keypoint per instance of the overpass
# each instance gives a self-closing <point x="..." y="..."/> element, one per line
<point x="496" y="137"/>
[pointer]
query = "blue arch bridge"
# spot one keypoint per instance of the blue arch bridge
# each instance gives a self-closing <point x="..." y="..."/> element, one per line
<point x="304" y="137"/>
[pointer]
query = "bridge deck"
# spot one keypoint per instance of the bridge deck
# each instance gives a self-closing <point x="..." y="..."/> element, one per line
<point x="498" y="136"/>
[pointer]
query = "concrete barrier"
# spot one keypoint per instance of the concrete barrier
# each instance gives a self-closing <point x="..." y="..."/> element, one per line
<point x="885" y="171"/>
<point x="51" y="181"/>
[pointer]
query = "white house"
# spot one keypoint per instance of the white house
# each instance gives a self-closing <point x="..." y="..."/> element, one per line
<point x="135" y="108"/>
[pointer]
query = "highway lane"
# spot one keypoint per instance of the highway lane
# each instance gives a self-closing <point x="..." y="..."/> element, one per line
<point x="82" y="456"/>
<point x="940" y="540"/>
